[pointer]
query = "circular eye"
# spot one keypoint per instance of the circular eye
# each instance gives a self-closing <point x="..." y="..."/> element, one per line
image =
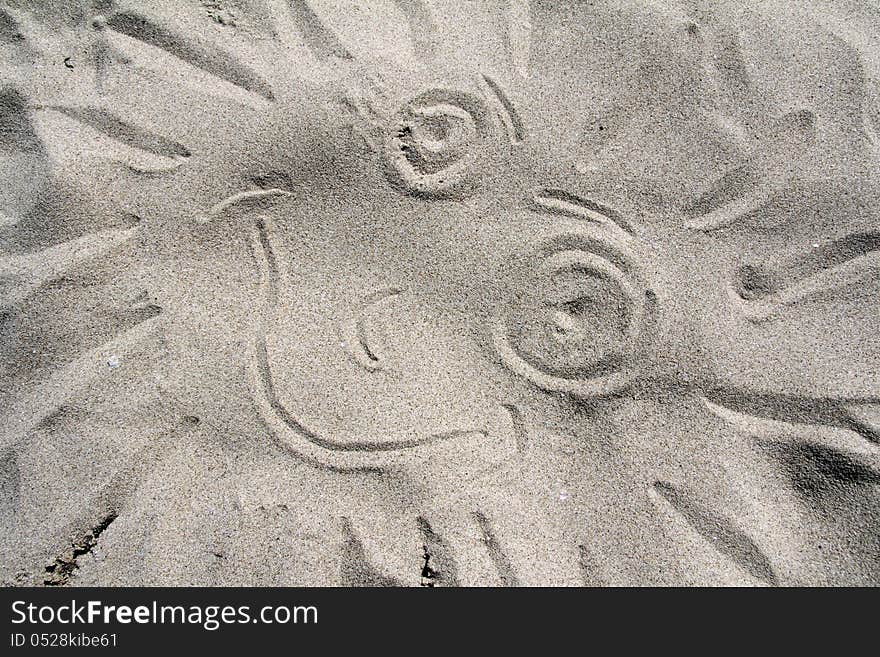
<point x="580" y="312"/>
<point x="434" y="143"/>
<point x="574" y="325"/>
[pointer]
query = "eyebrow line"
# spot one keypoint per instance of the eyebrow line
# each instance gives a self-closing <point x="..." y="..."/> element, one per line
<point x="558" y="201"/>
<point x="510" y="117"/>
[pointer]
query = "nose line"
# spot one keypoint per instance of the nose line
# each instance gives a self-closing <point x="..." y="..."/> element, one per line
<point x="354" y="331"/>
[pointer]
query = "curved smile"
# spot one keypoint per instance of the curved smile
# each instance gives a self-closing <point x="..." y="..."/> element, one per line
<point x="500" y="436"/>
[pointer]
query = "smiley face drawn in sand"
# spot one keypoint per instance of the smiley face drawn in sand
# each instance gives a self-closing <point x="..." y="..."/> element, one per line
<point x="390" y="354"/>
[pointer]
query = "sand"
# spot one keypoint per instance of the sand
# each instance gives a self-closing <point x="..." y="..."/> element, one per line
<point x="404" y="292"/>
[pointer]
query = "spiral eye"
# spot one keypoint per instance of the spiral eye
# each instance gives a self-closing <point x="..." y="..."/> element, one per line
<point x="576" y="320"/>
<point x="579" y="315"/>
<point x="435" y="142"/>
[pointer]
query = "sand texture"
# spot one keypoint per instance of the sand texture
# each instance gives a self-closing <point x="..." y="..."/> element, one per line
<point x="405" y="292"/>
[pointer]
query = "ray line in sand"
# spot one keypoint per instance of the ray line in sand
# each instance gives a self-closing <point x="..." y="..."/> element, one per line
<point x="718" y="532"/>
<point x="503" y="565"/>
<point x="841" y="274"/>
<point x="129" y="134"/>
<point x="729" y="213"/>
<point x="108" y="136"/>
<point x="324" y="45"/>
<point x="22" y="275"/>
<point x="156" y="48"/>
<point x="29" y="410"/>
<point x="853" y="430"/>
<point x="422" y="28"/>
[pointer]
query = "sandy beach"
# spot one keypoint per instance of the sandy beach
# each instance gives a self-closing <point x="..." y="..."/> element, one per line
<point x="426" y="293"/>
